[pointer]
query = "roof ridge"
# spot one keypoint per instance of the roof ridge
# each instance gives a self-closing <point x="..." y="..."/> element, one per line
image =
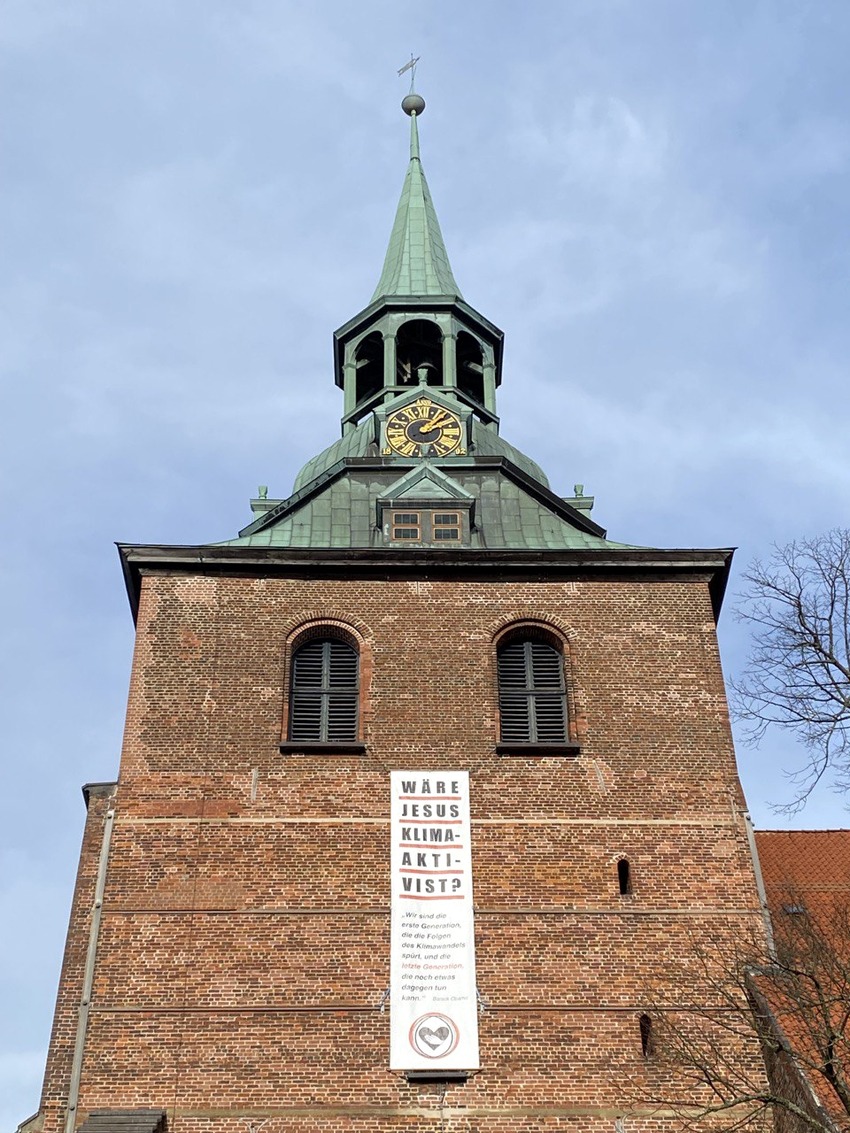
<point x="809" y="830"/>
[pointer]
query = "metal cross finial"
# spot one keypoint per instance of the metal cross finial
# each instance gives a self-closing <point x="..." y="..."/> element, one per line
<point x="411" y="66"/>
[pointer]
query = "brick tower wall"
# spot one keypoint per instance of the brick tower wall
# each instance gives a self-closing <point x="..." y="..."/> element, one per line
<point x="244" y="946"/>
<point x="100" y="797"/>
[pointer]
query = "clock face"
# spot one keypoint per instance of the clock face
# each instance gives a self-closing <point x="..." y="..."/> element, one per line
<point x="423" y="429"/>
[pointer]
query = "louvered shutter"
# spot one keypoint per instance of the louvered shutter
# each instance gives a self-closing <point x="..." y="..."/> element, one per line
<point x="532" y="700"/>
<point x="341" y="714"/>
<point x="513" y="695"/>
<point x="324" y="692"/>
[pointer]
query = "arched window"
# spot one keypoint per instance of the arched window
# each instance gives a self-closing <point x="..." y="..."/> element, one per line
<point x="419" y="353"/>
<point x="470" y="367"/>
<point x="532" y="694"/>
<point x="324" y="692"/>
<point x="369" y="362"/>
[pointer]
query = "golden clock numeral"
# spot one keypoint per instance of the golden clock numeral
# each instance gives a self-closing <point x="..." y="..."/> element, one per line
<point x="407" y="449"/>
<point x="451" y="431"/>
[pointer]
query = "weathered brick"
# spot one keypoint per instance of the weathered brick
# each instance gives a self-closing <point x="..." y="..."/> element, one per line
<point x="244" y="947"/>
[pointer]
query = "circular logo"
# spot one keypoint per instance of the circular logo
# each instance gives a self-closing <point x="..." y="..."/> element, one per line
<point x="434" y="1035"/>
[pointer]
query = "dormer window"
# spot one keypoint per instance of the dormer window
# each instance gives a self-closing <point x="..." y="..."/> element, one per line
<point x="426" y="508"/>
<point x="424" y="526"/>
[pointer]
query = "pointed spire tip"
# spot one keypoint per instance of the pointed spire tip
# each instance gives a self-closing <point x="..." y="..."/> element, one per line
<point x="416" y="262"/>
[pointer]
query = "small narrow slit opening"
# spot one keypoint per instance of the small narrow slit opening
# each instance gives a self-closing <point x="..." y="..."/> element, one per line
<point x="645" y="1024"/>
<point x="624" y="877"/>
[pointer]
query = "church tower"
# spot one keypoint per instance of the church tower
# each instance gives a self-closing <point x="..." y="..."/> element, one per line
<point x="422" y="623"/>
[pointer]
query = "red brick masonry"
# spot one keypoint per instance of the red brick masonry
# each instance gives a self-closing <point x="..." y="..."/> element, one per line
<point x="243" y="952"/>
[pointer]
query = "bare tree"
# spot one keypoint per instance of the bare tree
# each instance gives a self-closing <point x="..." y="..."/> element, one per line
<point x="764" y="1044"/>
<point x="798" y="675"/>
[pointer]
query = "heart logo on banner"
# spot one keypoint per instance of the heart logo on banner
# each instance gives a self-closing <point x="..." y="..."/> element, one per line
<point x="434" y="1036"/>
<point x="434" y="1039"/>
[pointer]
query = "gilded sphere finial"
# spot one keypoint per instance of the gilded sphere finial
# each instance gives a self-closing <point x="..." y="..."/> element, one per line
<point x="413" y="104"/>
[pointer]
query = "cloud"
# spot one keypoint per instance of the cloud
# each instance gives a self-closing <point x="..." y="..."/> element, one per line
<point x="601" y="143"/>
<point x="27" y="23"/>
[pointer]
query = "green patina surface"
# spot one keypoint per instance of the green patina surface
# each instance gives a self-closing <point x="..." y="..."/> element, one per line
<point x="416" y="262"/>
<point x="355" y="443"/>
<point x="335" y="500"/>
<point x="360" y="442"/>
<point x="345" y="513"/>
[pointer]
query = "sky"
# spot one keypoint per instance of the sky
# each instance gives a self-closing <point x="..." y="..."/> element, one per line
<point x="650" y="197"/>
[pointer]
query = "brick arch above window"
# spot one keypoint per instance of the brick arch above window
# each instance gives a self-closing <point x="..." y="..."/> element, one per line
<point x="536" y="685"/>
<point x="307" y="620"/>
<point x="543" y="619"/>
<point x="336" y="631"/>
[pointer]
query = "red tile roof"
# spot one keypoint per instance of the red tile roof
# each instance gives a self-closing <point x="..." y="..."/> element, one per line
<point x="808" y="858"/>
<point x="807" y="874"/>
<point x="811" y="867"/>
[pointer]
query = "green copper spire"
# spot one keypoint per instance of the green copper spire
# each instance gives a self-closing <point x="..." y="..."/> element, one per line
<point x="416" y="262"/>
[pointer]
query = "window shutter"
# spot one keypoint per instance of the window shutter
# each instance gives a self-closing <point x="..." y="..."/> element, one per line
<point x="341" y="723"/>
<point x="532" y="700"/>
<point x="324" y="692"/>
<point x="513" y="698"/>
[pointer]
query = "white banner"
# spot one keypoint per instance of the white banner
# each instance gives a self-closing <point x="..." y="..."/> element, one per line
<point x="433" y="1007"/>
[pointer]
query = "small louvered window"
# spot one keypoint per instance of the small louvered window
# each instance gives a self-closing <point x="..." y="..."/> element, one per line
<point x="323" y="704"/>
<point x="532" y="696"/>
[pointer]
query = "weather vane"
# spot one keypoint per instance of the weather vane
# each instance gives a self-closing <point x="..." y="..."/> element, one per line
<point x="411" y="66"/>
